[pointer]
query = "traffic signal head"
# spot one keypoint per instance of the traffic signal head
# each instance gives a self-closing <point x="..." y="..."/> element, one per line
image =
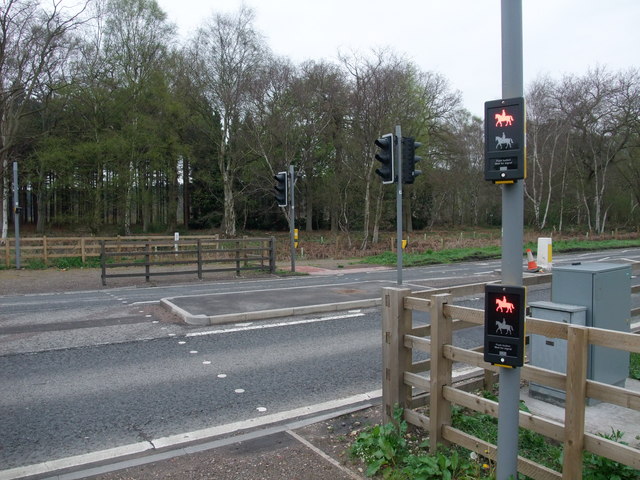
<point x="385" y="156"/>
<point x="504" y="141"/>
<point x="409" y="159"/>
<point x="281" y="188"/>
<point x="504" y="327"/>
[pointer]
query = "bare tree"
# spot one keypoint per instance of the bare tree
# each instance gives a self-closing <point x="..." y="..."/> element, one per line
<point x="597" y="110"/>
<point x="226" y="53"/>
<point x="34" y="44"/>
<point x="380" y="98"/>
<point x="547" y="149"/>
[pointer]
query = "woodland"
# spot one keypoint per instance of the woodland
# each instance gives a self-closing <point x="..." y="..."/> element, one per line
<point x="118" y="125"/>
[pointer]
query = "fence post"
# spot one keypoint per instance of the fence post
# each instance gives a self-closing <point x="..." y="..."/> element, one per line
<point x="441" y="334"/>
<point x="83" y="253"/>
<point x="103" y="263"/>
<point x="576" y="388"/>
<point x="45" y="255"/>
<point x="147" y="261"/>
<point x="245" y="255"/>
<point x="272" y="255"/>
<point x="237" y="258"/>
<point x="396" y="358"/>
<point x="199" y="247"/>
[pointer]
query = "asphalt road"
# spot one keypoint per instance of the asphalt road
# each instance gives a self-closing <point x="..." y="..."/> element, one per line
<point x="67" y="402"/>
<point x="87" y="371"/>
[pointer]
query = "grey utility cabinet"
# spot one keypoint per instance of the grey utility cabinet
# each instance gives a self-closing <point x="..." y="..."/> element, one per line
<point x="551" y="353"/>
<point x="605" y="289"/>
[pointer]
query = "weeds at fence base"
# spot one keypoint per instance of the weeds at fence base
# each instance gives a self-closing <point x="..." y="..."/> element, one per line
<point x="398" y="452"/>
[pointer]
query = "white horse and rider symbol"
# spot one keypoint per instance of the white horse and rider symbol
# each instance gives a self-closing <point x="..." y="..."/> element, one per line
<point x="503" y="120"/>
<point x="504" y="306"/>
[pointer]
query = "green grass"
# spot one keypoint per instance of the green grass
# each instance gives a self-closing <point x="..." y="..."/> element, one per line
<point x="634" y="366"/>
<point x="64" y="263"/>
<point x="431" y="257"/>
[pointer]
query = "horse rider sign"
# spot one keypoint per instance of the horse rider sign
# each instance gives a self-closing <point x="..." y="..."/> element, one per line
<point x="504" y="141"/>
<point x="504" y="328"/>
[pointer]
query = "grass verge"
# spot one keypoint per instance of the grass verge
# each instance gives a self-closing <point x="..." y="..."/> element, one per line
<point x="432" y="257"/>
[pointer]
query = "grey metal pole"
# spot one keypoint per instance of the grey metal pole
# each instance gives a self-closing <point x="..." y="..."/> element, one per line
<point x="292" y="215"/>
<point x="512" y="241"/>
<point x="16" y="213"/>
<point x="398" y="165"/>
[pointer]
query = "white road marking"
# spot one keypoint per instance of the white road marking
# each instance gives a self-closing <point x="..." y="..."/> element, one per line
<point x="273" y="325"/>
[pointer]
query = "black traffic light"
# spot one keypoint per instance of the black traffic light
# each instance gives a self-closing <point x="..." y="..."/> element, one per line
<point x="281" y="188"/>
<point x="385" y="156"/>
<point x="409" y="159"/>
<point x="504" y="327"/>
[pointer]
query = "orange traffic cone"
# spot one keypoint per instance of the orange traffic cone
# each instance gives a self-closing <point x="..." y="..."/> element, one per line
<point x="532" y="266"/>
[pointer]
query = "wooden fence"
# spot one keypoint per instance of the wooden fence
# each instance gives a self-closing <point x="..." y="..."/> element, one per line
<point x="190" y="256"/>
<point x="48" y="249"/>
<point x="405" y="382"/>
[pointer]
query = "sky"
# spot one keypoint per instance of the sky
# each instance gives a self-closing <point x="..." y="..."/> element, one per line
<point x="459" y="39"/>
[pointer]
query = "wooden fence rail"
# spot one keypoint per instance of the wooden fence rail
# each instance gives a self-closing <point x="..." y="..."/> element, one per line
<point x="405" y="382"/>
<point x="47" y="249"/>
<point x="227" y="254"/>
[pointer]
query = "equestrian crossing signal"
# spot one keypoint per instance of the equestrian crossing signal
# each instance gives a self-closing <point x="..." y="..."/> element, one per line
<point x="281" y="188"/>
<point x="409" y="159"/>
<point x="504" y="314"/>
<point x="387" y="170"/>
<point x="504" y="141"/>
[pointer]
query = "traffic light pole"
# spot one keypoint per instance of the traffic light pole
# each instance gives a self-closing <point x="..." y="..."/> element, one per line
<point x="292" y="216"/>
<point x="398" y="162"/>
<point x="16" y="213"/>
<point x="512" y="241"/>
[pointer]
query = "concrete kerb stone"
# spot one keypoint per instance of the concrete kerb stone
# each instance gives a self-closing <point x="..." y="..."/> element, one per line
<point x="204" y="320"/>
<point x="197" y="440"/>
<point x="70" y="463"/>
<point x="189" y="318"/>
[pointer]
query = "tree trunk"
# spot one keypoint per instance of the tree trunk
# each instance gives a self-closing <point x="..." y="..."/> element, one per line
<point x="186" y="192"/>
<point x="309" y="210"/>
<point x="367" y="215"/>
<point x="5" y="205"/>
<point x="172" y="202"/>
<point x="229" y="222"/>
<point x="128" y="197"/>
